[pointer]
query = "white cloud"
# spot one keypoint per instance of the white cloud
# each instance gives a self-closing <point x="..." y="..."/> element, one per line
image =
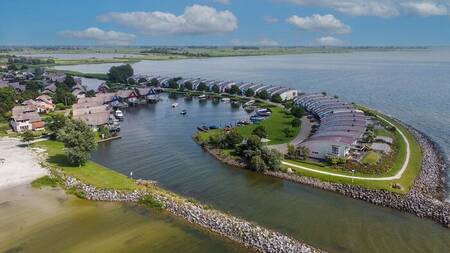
<point x="380" y="8"/>
<point x="196" y="20"/>
<point x="320" y="23"/>
<point x="270" y="19"/>
<point x="100" y="37"/>
<point x="330" y="41"/>
<point x="266" y="42"/>
<point x="426" y="9"/>
<point x="223" y="1"/>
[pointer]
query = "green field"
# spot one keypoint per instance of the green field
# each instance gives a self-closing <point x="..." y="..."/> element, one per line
<point x="91" y="173"/>
<point x="371" y="157"/>
<point x="274" y="126"/>
<point x="406" y="181"/>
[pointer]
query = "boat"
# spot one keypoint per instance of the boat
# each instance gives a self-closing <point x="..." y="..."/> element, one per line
<point x="174" y="105"/>
<point x="250" y="108"/>
<point x="202" y="97"/>
<point x="256" y="118"/>
<point x="249" y="103"/>
<point x="203" y="128"/>
<point x="213" y="127"/>
<point x="183" y="112"/>
<point x="118" y="114"/>
<point x="263" y="112"/>
<point x="242" y="123"/>
<point x="226" y="100"/>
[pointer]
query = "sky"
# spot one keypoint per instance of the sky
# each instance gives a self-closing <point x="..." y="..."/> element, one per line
<point x="225" y="22"/>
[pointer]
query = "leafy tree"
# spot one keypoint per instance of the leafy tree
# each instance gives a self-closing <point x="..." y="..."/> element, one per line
<point x="104" y="132"/>
<point x="63" y="95"/>
<point x="263" y="94"/>
<point x="260" y="131"/>
<point x="297" y="111"/>
<point x="131" y="81"/>
<point x="38" y="72"/>
<point x="288" y="132"/>
<point x="24" y="67"/>
<point x="154" y="82"/>
<point x="202" y="87"/>
<point x="8" y="98"/>
<point x="79" y="141"/>
<point x="173" y="83"/>
<point x="27" y="136"/>
<point x="90" y="93"/>
<point x="234" y="89"/>
<point x="69" y="81"/>
<point x="290" y="151"/>
<point x="257" y="164"/>
<point x="297" y="122"/>
<point x="215" y="88"/>
<point x="188" y="85"/>
<point x="142" y="80"/>
<point x="54" y="123"/>
<point x="120" y="74"/>
<point x="276" y="98"/>
<point x="232" y="139"/>
<point x="324" y="93"/>
<point x="249" y="93"/>
<point x="272" y="158"/>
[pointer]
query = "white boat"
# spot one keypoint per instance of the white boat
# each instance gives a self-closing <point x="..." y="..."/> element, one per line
<point x="226" y="100"/>
<point x="249" y="103"/>
<point x="174" y="105"/>
<point x="202" y="97"/>
<point x="263" y="112"/>
<point x="119" y="114"/>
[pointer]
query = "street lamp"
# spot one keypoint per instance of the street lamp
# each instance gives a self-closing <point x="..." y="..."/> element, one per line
<point x="353" y="175"/>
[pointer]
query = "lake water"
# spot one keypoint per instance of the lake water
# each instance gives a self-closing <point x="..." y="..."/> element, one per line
<point x="78" y="56"/>
<point x="413" y="86"/>
<point x="48" y="220"/>
<point x="157" y="144"/>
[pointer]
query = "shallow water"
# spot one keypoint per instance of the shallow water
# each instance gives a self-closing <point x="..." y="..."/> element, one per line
<point x="157" y="145"/>
<point x="47" y="220"/>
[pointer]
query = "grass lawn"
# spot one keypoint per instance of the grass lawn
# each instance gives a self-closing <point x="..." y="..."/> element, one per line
<point x="274" y="126"/>
<point x="91" y="173"/>
<point x="406" y="181"/>
<point x="371" y="157"/>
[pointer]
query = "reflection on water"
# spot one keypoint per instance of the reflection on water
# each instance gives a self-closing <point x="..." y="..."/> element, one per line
<point x="49" y="221"/>
<point x="157" y="144"/>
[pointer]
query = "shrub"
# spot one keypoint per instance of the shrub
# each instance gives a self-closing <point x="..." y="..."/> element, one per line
<point x="260" y="131"/>
<point x="46" y="181"/>
<point x="150" y="201"/>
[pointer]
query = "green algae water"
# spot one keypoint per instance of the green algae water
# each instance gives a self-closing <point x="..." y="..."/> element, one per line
<point x="48" y="220"/>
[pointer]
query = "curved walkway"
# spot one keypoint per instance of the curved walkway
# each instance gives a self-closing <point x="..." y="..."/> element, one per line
<point x="398" y="175"/>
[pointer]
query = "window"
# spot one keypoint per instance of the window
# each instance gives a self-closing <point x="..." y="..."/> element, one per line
<point x="335" y="150"/>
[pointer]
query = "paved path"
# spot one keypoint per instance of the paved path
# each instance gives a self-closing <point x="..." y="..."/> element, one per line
<point x="395" y="177"/>
<point x="305" y="129"/>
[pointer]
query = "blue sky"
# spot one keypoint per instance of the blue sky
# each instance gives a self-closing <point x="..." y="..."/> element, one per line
<point x="226" y="22"/>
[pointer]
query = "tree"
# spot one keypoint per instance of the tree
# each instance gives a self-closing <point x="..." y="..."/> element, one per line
<point x="260" y="131"/>
<point x="296" y="122"/>
<point x="90" y="93"/>
<point x="257" y="164"/>
<point x="104" y="132"/>
<point x="27" y="136"/>
<point x="8" y="98"/>
<point x="249" y="93"/>
<point x="232" y="139"/>
<point x="54" y="123"/>
<point x="272" y="158"/>
<point x="69" y="81"/>
<point x="173" y="83"/>
<point x="297" y="111"/>
<point x="276" y="98"/>
<point x="235" y="90"/>
<point x="63" y="95"/>
<point x="202" y="87"/>
<point x="188" y="85"/>
<point x="263" y="94"/>
<point x="288" y="132"/>
<point x="142" y="80"/>
<point x="131" y="81"/>
<point x="120" y="74"/>
<point x="154" y="82"/>
<point x="215" y="88"/>
<point x="79" y="141"/>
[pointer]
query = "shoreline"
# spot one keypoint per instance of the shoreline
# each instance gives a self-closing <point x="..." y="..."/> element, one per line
<point x="426" y="199"/>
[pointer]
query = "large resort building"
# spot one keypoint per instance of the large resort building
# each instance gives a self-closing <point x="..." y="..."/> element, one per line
<point x="341" y="126"/>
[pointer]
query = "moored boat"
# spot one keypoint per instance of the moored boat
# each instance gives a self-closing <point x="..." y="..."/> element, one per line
<point x="118" y="114"/>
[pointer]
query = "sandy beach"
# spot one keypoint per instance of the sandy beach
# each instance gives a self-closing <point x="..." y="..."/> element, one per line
<point x="18" y="164"/>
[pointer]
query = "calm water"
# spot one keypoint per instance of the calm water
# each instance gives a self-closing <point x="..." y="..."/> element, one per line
<point x="157" y="145"/>
<point x="413" y="86"/>
<point x="77" y="56"/>
<point x="49" y="221"/>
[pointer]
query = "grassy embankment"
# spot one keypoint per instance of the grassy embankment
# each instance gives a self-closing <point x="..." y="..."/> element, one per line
<point x="406" y="181"/>
<point x="91" y="173"/>
<point x="274" y="126"/>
